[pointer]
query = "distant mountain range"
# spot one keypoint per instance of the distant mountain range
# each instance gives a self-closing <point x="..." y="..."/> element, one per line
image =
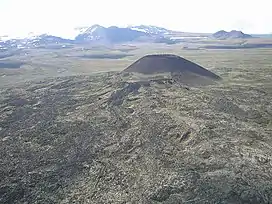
<point x="95" y="34"/>
<point x="113" y="34"/>
<point x="100" y="35"/>
<point x="222" y="34"/>
<point x="37" y="41"/>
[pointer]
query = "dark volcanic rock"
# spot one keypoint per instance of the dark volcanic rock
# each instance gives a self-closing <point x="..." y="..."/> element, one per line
<point x="102" y="139"/>
<point x="180" y="68"/>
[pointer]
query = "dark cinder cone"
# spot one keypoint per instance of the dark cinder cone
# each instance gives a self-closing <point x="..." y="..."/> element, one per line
<point x="153" y="64"/>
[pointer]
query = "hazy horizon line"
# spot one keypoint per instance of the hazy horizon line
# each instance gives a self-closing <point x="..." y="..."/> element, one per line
<point x="75" y="28"/>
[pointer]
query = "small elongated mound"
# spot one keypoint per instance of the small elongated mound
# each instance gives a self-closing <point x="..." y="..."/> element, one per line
<point x="168" y="63"/>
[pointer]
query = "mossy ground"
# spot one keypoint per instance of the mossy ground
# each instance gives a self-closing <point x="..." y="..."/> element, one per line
<point x="106" y="139"/>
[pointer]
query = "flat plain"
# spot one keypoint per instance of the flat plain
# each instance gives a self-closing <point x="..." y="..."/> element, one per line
<point x="73" y="129"/>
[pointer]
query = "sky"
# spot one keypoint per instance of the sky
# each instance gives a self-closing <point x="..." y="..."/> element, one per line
<point x="60" y="17"/>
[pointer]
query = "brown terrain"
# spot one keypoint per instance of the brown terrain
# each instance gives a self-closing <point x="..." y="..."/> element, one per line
<point x="140" y="135"/>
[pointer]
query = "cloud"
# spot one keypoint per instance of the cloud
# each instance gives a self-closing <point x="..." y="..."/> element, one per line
<point x="61" y="16"/>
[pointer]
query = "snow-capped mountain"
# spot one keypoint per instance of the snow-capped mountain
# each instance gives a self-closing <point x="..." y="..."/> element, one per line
<point x="89" y="35"/>
<point x="48" y="39"/>
<point x="113" y="34"/>
<point x="33" y="41"/>
<point x="82" y="30"/>
<point x="93" y="33"/>
<point x="30" y="35"/>
<point x="98" y="32"/>
<point x="155" y="30"/>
